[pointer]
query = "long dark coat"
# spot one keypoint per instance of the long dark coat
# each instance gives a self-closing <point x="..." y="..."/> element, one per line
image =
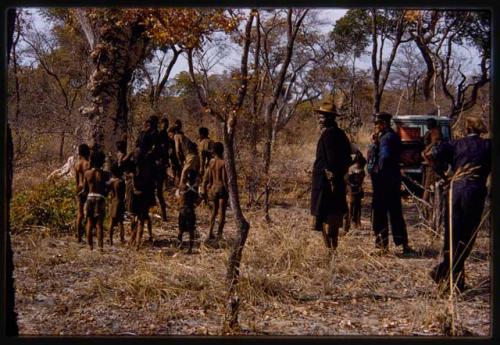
<point x="333" y="152"/>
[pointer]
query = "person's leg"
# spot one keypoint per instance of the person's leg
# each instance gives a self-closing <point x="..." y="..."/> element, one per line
<point x="150" y="227"/>
<point x="139" y="232"/>
<point x="222" y="216"/>
<point x="357" y="211"/>
<point x="379" y="217"/>
<point x="80" y="221"/>
<point x="395" y="209"/>
<point x="191" y="241"/>
<point x="465" y="229"/>
<point x="122" y="231"/>
<point x="349" y="214"/>
<point x="100" y="232"/>
<point x="159" y="194"/>
<point x="111" y="230"/>
<point x="334" y="223"/>
<point x="215" y="210"/>
<point x="90" y="225"/>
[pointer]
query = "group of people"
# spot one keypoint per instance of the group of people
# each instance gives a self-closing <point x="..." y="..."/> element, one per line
<point x="463" y="163"/>
<point x="134" y="180"/>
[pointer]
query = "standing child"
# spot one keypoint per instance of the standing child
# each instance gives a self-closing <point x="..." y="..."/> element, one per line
<point x="355" y="177"/>
<point x="80" y="168"/>
<point x="215" y="185"/>
<point x="188" y="199"/>
<point x="95" y="181"/>
<point x="117" y="209"/>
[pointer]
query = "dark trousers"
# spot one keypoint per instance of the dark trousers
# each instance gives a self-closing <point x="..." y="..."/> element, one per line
<point x="387" y="202"/>
<point x="467" y="205"/>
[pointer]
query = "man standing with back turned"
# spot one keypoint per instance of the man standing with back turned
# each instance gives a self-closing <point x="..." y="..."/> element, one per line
<point x="386" y="179"/>
<point x="328" y="192"/>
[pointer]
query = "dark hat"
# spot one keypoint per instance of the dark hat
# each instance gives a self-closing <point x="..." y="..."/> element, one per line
<point x="475" y="124"/>
<point x="327" y="108"/>
<point x="383" y="117"/>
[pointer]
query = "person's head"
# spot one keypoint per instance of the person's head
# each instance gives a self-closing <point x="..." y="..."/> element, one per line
<point x="116" y="170"/>
<point x="382" y="121"/>
<point x="178" y="125"/>
<point x="121" y="146"/>
<point x="147" y="124"/>
<point x="431" y="123"/>
<point x="171" y="132"/>
<point x="127" y="166"/>
<point x="153" y="119"/>
<point x="164" y="123"/>
<point x="219" y="149"/>
<point x="326" y="114"/>
<point x="97" y="158"/>
<point x="203" y="132"/>
<point x="474" y="125"/>
<point x="191" y="176"/>
<point x="84" y="151"/>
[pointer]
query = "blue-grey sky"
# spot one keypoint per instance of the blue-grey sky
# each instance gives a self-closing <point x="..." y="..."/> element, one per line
<point x="468" y="56"/>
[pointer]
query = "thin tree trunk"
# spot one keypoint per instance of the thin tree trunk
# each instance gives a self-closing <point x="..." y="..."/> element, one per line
<point x="61" y="146"/>
<point x="11" y="328"/>
<point x="292" y="35"/>
<point x="233" y="270"/>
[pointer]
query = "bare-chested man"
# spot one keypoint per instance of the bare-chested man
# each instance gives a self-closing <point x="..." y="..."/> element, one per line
<point x="215" y="185"/>
<point x="205" y="148"/>
<point x="95" y="180"/>
<point x="181" y="143"/>
<point x="80" y="167"/>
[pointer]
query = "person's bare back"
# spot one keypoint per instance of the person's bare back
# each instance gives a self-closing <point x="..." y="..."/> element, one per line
<point x="95" y="180"/>
<point x="80" y="168"/>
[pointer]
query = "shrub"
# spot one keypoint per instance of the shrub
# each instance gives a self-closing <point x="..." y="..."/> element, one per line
<point x="50" y="205"/>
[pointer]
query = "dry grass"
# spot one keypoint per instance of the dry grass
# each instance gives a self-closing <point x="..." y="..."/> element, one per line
<point x="289" y="284"/>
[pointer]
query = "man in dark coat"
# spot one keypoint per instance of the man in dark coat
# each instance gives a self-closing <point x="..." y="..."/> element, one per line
<point x="468" y="196"/>
<point x="386" y="180"/>
<point x="328" y="192"/>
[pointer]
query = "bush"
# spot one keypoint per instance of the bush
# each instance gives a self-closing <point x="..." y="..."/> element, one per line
<point x="50" y="205"/>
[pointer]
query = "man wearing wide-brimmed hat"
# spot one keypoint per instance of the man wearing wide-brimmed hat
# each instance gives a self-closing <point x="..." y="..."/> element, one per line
<point x="470" y="162"/>
<point x="328" y="192"/>
<point x="386" y="183"/>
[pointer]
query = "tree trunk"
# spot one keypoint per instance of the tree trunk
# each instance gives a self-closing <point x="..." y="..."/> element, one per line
<point x="11" y="328"/>
<point x="375" y="70"/>
<point x="61" y="147"/>
<point x="233" y="268"/>
<point x="115" y="56"/>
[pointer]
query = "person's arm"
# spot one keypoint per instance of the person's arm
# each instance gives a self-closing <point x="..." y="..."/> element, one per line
<point x="77" y="177"/>
<point x="86" y="187"/>
<point x="177" y="148"/>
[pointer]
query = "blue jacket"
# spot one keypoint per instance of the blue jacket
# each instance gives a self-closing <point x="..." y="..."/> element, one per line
<point x="388" y="158"/>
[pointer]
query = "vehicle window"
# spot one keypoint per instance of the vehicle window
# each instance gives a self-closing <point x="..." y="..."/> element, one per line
<point x="445" y="132"/>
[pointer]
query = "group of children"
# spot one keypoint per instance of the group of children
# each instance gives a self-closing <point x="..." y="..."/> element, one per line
<point x="133" y="181"/>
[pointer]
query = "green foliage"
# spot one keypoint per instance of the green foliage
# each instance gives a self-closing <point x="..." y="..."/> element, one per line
<point x="50" y="205"/>
<point x="351" y="32"/>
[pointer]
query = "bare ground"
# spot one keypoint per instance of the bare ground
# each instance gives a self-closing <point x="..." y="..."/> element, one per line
<point x="289" y="286"/>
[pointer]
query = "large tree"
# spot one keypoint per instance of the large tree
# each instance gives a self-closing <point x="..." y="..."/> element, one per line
<point x="120" y="40"/>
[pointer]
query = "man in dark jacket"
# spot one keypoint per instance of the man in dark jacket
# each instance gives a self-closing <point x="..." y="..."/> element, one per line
<point x="328" y="192"/>
<point x="469" y="157"/>
<point x="386" y="180"/>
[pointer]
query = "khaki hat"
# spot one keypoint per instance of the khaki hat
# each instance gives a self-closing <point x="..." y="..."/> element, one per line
<point x="327" y="108"/>
<point x="475" y="124"/>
